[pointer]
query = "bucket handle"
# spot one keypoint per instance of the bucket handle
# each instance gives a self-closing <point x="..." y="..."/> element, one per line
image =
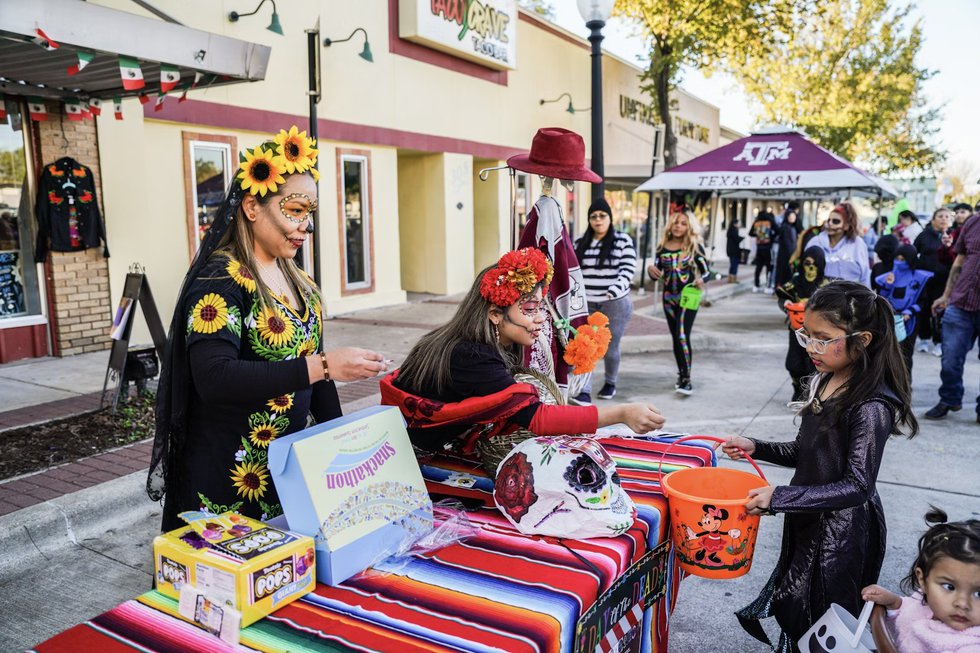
<point x="660" y="463"/>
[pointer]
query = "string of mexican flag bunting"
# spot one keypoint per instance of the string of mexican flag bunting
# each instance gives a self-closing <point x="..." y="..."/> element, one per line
<point x="132" y="80"/>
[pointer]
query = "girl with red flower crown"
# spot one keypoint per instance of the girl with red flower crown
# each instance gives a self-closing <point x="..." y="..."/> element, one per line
<point x="458" y="380"/>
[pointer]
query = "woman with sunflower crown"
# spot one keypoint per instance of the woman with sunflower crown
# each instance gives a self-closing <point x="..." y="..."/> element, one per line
<point x="457" y="384"/>
<point x="244" y="363"/>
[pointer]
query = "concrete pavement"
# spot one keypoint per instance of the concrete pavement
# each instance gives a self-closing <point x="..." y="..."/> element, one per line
<point x="96" y="541"/>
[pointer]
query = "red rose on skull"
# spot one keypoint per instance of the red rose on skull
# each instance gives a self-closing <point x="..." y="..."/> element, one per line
<point x="514" y="488"/>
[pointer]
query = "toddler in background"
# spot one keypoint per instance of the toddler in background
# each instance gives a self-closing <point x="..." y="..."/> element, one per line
<point x="943" y="611"/>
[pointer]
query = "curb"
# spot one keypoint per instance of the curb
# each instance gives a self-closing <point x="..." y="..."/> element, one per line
<point x="30" y="534"/>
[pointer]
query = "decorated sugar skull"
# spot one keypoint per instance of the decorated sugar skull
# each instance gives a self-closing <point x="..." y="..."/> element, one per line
<point x="563" y="487"/>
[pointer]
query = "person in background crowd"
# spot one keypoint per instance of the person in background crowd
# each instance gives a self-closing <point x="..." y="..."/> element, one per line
<point x="961" y="319"/>
<point x="244" y="362"/>
<point x="905" y="289"/>
<point x="680" y="262"/>
<point x="885" y="249"/>
<point x="733" y="244"/>
<point x="871" y="236"/>
<point x="961" y="213"/>
<point x="608" y="260"/>
<point x="794" y="295"/>
<point x="908" y="227"/>
<point x="789" y="232"/>
<point x="929" y="244"/>
<point x="847" y="255"/>
<point x="764" y="231"/>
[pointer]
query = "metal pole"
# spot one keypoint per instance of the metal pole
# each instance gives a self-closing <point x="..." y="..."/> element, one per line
<point x="598" y="167"/>
<point x="313" y="52"/>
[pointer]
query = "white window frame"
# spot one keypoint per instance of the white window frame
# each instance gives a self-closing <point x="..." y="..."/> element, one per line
<point x="217" y="145"/>
<point x="365" y="220"/>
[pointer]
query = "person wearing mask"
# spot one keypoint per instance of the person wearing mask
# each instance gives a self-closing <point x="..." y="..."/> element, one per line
<point x="607" y="258"/>
<point x="904" y="288"/>
<point x="929" y="244"/>
<point x="885" y="249"/>
<point x="789" y="230"/>
<point x="794" y="295"/>
<point x="764" y="232"/>
<point x="847" y="255"/>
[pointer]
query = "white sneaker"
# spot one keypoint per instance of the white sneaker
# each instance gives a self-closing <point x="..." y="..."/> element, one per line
<point x="922" y="346"/>
<point x="937" y="350"/>
<point x="769" y="291"/>
<point x="756" y="289"/>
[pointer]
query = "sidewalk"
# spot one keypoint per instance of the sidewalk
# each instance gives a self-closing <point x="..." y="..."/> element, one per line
<point x="41" y="390"/>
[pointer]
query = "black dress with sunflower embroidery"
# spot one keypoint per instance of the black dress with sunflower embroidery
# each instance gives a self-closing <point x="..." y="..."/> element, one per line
<point x="250" y="385"/>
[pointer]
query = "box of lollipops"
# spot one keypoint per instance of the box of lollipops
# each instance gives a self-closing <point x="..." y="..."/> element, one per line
<point x="228" y="571"/>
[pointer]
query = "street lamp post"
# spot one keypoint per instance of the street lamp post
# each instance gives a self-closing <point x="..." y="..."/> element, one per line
<point x="596" y="13"/>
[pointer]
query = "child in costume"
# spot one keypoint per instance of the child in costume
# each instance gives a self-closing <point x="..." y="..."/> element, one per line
<point x="904" y="288"/>
<point x="943" y="611"/>
<point x="794" y="295"/>
<point x="456" y="385"/>
<point x="833" y="539"/>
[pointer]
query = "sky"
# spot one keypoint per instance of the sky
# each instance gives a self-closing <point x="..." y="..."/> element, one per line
<point x="949" y="29"/>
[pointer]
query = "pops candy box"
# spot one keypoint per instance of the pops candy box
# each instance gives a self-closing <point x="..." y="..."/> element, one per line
<point x="234" y="561"/>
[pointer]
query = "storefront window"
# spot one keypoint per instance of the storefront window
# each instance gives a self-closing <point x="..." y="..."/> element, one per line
<point x="356" y="222"/>
<point x="212" y="164"/>
<point x="19" y="294"/>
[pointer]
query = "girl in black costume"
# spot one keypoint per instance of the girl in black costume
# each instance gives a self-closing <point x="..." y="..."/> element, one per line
<point x="794" y="295"/>
<point x="834" y="536"/>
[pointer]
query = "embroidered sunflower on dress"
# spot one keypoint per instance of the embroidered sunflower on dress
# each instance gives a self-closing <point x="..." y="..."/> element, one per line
<point x="296" y="149"/>
<point x="307" y="348"/>
<point x="209" y="314"/>
<point x="261" y="171"/>
<point x="280" y="404"/>
<point x="264" y="433"/>
<point x="274" y="327"/>
<point x="250" y="480"/>
<point x="241" y="275"/>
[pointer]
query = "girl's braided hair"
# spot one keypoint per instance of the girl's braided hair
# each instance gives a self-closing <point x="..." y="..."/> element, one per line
<point x="958" y="540"/>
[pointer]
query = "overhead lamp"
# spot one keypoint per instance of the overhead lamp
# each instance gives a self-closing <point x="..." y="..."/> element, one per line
<point x="364" y="54"/>
<point x="274" y="25"/>
<point x="570" y="108"/>
<point x="595" y="10"/>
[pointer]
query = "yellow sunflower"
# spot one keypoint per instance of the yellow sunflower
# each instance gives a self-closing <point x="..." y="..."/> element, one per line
<point x="250" y="480"/>
<point x="315" y="173"/>
<point x="265" y="432"/>
<point x="307" y="348"/>
<point x="261" y="171"/>
<point x="275" y="327"/>
<point x="295" y="149"/>
<point x="210" y="313"/>
<point x="280" y="404"/>
<point x="241" y="274"/>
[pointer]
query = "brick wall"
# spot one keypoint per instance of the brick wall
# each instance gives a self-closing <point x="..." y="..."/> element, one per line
<point x="78" y="282"/>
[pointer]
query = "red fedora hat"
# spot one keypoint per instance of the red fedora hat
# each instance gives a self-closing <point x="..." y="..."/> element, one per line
<point x="558" y="153"/>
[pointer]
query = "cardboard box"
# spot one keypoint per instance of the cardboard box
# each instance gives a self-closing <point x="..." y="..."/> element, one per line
<point x="255" y="568"/>
<point x="353" y="484"/>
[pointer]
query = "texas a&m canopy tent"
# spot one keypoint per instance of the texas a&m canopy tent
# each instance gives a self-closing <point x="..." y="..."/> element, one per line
<point x="776" y="163"/>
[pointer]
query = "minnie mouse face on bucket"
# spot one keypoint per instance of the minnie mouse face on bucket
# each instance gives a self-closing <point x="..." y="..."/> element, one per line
<point x="563" y="487"/>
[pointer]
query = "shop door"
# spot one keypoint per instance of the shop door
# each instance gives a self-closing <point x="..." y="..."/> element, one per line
<point x="23" y="326"/>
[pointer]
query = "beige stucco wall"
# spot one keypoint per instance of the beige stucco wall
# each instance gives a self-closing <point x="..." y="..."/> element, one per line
<point x="421" y="241"/>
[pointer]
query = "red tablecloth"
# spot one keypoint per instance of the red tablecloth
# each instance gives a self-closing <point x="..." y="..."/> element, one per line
<point x="496" y="591"/>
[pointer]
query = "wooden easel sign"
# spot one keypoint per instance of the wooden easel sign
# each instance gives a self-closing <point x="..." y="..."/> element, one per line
<point x="136" y="291"/>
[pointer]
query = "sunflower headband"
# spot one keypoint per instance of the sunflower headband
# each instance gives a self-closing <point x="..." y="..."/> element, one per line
<point x="264" y="167"/>
<point x="516" y="274"/>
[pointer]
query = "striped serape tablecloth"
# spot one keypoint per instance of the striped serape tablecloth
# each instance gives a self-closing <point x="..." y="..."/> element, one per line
<point x="498" y="590"/>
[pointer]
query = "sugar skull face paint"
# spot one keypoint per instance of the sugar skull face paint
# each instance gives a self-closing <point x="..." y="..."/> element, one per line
<point x="809" y="269"/>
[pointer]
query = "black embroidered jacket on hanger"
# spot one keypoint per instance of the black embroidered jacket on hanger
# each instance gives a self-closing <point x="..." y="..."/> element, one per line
<point x="68" y="217"/>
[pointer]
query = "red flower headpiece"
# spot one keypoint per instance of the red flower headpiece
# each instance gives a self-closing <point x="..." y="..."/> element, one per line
<point x="516" y="274"/>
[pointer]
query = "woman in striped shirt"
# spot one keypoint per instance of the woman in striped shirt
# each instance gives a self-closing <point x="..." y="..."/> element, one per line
<point x="608" y="260"/>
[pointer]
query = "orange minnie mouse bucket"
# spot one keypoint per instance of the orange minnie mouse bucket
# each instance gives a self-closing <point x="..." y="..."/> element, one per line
<point x="713" y="535"/>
